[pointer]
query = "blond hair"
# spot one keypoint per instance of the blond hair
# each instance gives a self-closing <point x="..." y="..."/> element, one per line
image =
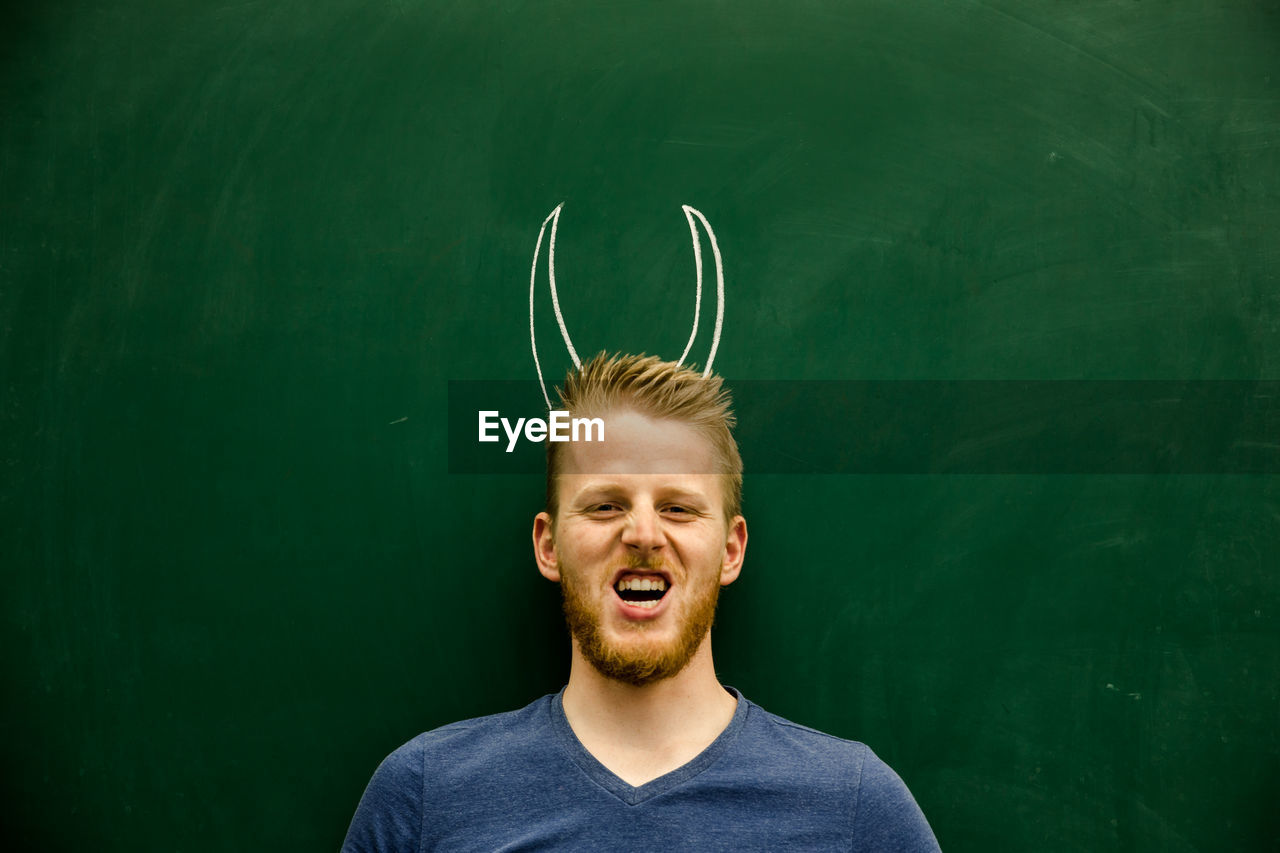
<point x="658" y="389"/>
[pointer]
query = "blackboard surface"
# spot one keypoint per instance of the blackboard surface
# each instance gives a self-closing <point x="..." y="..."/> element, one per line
<point x="246" y="247"/>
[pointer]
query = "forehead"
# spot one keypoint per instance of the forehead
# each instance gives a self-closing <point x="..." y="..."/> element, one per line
<point x="638" y="444"/>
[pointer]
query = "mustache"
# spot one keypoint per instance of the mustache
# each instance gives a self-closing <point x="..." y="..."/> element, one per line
<point x="648" y="564"/>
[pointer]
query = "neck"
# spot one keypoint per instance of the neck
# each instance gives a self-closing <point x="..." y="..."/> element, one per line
<point x="686" y="710"/>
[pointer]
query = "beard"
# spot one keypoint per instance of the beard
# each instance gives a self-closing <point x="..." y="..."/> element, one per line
<point x="646" y="659"/>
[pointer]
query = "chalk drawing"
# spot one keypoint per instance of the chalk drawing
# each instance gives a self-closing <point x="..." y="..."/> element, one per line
<point x="554" y="219"/>
<point x="689" y="214"/>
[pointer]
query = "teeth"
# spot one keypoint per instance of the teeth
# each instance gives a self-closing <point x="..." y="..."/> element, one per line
<point x="645" y="604"/>
<point x="642" y="584"/>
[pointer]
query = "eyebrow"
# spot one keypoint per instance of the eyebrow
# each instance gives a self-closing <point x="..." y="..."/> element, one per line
<point x="682" y="494"/>
<point x="594" y="492"/>
<point x="597" y="490"/>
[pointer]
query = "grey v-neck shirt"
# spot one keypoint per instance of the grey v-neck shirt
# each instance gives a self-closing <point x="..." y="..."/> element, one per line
<point x="523" y="781"/>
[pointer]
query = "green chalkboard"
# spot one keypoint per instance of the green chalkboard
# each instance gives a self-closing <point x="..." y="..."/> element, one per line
<point x="248" y="251"/>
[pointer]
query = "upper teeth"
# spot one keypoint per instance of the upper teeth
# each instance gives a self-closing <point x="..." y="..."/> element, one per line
<point x="642" y="584"/>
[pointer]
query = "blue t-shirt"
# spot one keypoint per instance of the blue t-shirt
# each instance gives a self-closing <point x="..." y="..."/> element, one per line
<point x="523" y="781"/>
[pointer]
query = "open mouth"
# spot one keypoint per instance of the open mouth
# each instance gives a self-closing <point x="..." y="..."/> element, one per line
<point x="641" y="590"/>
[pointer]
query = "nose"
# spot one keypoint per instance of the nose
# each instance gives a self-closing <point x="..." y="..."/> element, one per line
<point x="643" y="530"/>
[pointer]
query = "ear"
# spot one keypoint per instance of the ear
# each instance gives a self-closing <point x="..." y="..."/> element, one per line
<point x="735" y="550"/>
<point x="544" y="547"/>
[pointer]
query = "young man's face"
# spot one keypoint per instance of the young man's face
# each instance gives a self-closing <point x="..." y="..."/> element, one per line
<point x="640" y="546"/>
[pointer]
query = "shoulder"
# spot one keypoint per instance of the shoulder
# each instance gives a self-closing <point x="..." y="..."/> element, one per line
<point x="820" y="753"/>
<point x="468" y="732"/>
<point x="391" y="812"/>
<point x="455" y="741"/>
<point x="885" y="815"/>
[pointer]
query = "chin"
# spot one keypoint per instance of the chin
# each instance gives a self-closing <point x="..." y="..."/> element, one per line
<point x="638" y="660"/>
<point x="638" y="670"/>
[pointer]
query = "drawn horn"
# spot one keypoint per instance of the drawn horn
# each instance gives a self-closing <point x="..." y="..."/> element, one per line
<point x="690" y="214"/>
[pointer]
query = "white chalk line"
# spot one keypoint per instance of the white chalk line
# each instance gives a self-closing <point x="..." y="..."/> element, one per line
<point x="697" y="294"/>
<point x="689" y="214"/>
<point x="533" y="278"/>
<point x="555" y="299"/>
<point x="697" y="258"/>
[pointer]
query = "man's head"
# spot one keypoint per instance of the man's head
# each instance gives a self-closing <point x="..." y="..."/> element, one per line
<point x="661" y="390"/>
<point x="643" y="528"/>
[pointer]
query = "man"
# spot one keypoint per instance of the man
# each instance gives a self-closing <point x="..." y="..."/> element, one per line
<point x="643" y="749"/>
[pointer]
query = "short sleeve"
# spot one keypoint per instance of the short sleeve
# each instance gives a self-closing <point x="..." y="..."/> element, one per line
<point x="886" y="817"/>
<point x="389" y="817"/>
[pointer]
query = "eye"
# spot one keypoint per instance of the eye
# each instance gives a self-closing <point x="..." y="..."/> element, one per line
<point x="606" y="508"/>
<point x="680" y="511"/>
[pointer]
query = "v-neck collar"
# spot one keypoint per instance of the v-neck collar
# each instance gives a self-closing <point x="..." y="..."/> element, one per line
<point x="611" y="782"/>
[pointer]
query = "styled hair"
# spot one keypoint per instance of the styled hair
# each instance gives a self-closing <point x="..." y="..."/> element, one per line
<point x="657" y="389"/>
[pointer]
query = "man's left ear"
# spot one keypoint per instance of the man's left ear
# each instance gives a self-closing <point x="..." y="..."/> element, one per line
<point x="735" y="550"/>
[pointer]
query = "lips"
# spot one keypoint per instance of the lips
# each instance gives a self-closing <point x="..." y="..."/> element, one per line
<point x="641" y="593"/>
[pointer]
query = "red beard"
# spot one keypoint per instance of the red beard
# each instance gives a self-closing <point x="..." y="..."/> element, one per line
<point x="643" y="662"/>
